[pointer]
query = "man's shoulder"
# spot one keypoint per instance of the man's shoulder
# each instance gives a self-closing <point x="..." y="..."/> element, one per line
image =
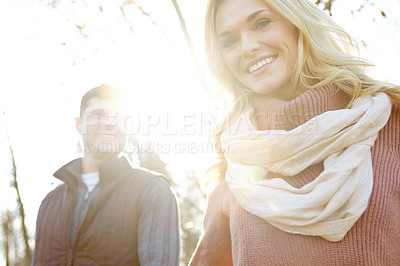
<point x="148" y="175"/>
<point x="151" y="186"/>
<point x="58" y="190"/>
<point x="55" y="195"/>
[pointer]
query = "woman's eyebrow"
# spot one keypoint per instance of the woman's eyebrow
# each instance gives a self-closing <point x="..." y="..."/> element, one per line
<point x="253" y="15"/>
<point x="248" y="19"/>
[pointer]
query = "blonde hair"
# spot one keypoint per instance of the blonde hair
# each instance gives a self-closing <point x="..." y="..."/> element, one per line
<point x="325" y="56"/>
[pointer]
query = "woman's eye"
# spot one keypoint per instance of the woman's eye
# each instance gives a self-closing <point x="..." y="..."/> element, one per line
<point x="262" y="24"/>
<point x="228" y="42"/>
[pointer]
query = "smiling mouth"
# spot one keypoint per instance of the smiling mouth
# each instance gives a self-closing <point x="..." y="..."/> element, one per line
<point x="261" y="63"/>
<point x="106" y="136"/>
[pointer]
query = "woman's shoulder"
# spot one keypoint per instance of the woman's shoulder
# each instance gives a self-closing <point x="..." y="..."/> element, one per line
<point x="394" y="118"/>
<point x="392" y="128"/>
<point x="390" y="134"/>
<point x="217" y="189"/>
<point x="396" y="108"/>
<point x="221" y="199"/>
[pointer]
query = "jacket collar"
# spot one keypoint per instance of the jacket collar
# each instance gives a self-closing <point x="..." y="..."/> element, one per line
<point x="109" y="170"/>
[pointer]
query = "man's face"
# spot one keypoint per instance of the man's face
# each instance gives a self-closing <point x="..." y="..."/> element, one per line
<point x="102" y="128"/>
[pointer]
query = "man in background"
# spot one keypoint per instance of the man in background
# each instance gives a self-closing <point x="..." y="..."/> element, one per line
<point x="106" y="212"/>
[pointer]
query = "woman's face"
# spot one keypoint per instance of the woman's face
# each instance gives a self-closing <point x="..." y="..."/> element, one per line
<point x="258" y="45"/>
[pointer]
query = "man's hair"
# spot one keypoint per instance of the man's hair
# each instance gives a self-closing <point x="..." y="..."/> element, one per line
<point x="104" y="92"/>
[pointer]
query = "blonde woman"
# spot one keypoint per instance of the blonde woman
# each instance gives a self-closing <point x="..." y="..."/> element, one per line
<point x="310" y="172"/>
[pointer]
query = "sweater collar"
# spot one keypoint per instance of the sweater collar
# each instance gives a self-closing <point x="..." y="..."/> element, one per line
<point x="274" y="114"/>
<point x="109" y="170"/>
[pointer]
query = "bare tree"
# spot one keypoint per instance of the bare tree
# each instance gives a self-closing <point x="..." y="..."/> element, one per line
<point x="27" y="257"/>
<point x="327" y="5"/>
<point x="7" y="229"/>
<point x="21" y="212"/>
<point x="196" y="64"/>
<point x="192" y="204"/>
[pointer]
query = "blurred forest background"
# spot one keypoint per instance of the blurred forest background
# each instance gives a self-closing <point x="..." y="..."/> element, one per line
<point x="52" y="51"/>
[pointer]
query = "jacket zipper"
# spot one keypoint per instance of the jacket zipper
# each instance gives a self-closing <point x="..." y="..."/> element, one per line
<point x="69" y="258"/>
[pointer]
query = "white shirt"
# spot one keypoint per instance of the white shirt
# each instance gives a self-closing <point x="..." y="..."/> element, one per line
<point x="91" y="180"/>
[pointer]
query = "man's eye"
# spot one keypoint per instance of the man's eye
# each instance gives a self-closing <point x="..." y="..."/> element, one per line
<point x="96" y="116"/>
<point x="93" y="117"/>
<point x="262" y="24"/>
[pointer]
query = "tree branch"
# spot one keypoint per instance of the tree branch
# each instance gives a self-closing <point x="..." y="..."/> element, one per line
<point x="147" y="14"/>
<point x="189" y="43"/>
<point x="327" y="5"/>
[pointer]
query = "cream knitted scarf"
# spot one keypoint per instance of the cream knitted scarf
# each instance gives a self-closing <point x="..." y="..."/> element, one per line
<point x="329" y="205"/>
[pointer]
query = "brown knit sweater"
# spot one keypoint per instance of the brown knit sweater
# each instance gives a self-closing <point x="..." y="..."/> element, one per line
<point x="232" y="236"/>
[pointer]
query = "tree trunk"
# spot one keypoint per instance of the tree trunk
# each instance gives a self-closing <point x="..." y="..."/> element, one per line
<point x="6" y="228"/>
<point x="21" y="210"/>
<point x="196" y="64"/>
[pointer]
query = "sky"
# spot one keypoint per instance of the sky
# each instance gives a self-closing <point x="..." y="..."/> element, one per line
<point x="46" y="66"/>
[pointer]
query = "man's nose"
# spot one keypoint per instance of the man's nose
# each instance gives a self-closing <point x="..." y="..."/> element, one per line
<point x="109" y="119"/>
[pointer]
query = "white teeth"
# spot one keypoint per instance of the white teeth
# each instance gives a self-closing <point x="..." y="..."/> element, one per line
<point x="106" y="136"/>
<point x="261" y="64"/>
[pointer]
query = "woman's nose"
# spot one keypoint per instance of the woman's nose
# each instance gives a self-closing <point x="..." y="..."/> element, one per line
<point x="249" y="45"/>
